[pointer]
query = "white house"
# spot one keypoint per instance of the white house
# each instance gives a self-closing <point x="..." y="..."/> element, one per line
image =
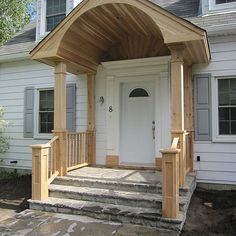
<point x="131" y="54"/>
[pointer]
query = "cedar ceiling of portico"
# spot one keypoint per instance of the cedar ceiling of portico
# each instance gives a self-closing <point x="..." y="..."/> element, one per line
<point x="97" y="31"/>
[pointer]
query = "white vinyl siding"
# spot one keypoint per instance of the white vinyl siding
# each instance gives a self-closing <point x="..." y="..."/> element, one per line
<point x="14" y="77"/>
<point x="218" y="158"/>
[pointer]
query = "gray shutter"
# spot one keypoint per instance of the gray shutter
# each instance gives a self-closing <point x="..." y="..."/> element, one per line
<point x="71" y="107"/>
<point x="29" y="112"/>
<point x="202" y="107"/>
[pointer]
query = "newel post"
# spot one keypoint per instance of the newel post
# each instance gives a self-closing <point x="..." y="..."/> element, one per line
<point x="39" y="172"/>
<point x="177" y="94"/>
<point x="60" y="115"/>
<point x="91" y="122"/>
<point x="170" y="183"/>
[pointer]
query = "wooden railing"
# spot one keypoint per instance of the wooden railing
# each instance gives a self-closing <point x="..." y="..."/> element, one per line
<point x="187" y="152"/>
<point x="76" y="150"/>
<point x="170" y="180"/>
<point x="53" y="153"/>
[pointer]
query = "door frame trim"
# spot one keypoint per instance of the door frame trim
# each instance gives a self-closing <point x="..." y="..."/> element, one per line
<point x="156" y="70"/>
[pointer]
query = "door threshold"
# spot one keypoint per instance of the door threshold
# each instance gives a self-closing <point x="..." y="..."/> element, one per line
<point x="138" y="166"/>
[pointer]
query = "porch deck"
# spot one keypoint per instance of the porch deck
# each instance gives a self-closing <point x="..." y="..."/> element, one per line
<point x="121" y="195"/>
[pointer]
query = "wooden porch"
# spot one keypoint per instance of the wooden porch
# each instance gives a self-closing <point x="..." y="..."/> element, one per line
<point x="117" y="37"/>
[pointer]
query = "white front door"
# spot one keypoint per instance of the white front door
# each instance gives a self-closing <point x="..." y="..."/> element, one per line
<point x="137" y="123"/>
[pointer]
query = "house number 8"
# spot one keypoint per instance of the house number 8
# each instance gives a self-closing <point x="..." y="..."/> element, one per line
<point x="110" y="109"/>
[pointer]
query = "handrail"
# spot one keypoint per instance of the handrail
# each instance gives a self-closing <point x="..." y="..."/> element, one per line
<point x="52" y="140"/>
<point x="175" y="143"/>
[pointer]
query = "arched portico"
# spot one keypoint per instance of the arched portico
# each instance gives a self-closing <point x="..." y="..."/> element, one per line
<point x="108" y="30"/>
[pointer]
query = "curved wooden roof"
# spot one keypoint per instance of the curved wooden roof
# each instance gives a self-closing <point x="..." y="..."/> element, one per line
<point x="107" y="30"/>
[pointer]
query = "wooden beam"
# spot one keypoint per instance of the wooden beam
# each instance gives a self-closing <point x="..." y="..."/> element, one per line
<point x="91" y="122"/>
<point x="188" y="106"/>
<point x="60" y="97"/>
<point x="177" y="86"/>
<point x="60" y="114"/>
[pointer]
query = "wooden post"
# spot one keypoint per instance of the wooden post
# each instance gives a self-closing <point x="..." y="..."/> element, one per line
<point x="60" y="115"/>
<point x="188" y="108"/>
<point x="177" y="92"/>
<point x="39" y="172"/>
<point x="91" y="123"/>
<point x="170" y="183"/>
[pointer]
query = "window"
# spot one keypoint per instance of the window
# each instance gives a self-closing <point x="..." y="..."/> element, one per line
<point x="227" y="106"/>
<point x="46" y="111"/>
<point x="224" y="1"/>
<point x="55" y="13"/>
<point x="222" y="4"/>
<point x="138" y="92"/>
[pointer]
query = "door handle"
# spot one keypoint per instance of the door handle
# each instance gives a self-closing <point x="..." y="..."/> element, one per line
<point x="153" y="129"/>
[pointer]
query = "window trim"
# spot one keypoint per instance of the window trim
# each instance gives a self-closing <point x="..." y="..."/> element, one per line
<point x="38" y="135"/>
<point x="224" y="6"/>
<point x="216" y="137"/>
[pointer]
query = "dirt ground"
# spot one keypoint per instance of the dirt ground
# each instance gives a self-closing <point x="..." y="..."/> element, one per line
<point x="210" y="212"/>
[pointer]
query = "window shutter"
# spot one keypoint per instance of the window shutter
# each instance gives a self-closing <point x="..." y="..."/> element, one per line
<point x="29" y="112"/>
<point x="202" y="107"/>
<point x="71" y="107"/>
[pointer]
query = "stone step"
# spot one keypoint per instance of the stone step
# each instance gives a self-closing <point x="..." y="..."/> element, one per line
<point x="119" y="213"/>
<point x="108" y="184"/>
<point x="115" y="185"/>
<point x="126" y="198"/>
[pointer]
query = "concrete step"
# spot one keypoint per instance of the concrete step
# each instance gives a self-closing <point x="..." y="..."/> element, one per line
<point x="119" y="213"/>
<point x="126" y="198"/>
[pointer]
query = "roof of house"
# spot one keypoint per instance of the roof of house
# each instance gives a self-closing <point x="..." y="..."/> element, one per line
<point x="181" y="8"/>
<point x="24" y="41"/>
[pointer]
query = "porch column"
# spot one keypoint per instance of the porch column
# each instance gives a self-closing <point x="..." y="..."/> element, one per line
<point x="177" y="92"/>
<point x="91" y="122"/>
<point x="60" y="114"/>
<point x="188" y="119"/>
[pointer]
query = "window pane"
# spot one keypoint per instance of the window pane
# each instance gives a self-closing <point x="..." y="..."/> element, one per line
<point x="233" y="113"/>
<point x="53" y="21"/>
<point x="233" y="127"/>
<point x="224" y="127"/>
<point x="223" y="85"/>
<point x="223" y="114"/>
<point x="224" y="1"/>
<point x="55" y="7"/>
<point x="139" y="92"/>
<point x="224" y="99"/>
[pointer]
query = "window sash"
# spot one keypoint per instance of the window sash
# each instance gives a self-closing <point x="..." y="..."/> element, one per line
<point x="46" y="125"/>
<point x="226" y="120"/>
<point x="55" y="13"/>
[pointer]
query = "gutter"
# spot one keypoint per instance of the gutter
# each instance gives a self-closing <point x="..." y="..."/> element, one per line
<point x="14" y="57"/>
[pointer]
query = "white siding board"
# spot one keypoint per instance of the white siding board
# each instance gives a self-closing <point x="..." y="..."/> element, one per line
<point x="14" y="77"/>
<point x="218" y="160"/>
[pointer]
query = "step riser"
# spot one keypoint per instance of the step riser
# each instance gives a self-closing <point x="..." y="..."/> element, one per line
<point x="155" y="222"/>
<point x="106" y="199"/>
<point x="116" y="186"/>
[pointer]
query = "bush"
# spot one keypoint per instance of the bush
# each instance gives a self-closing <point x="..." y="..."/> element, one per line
<point x="4" y="140"/>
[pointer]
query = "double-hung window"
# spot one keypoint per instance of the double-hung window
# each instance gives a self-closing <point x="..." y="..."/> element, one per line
<point x="55" y="13"/>
<point x="227" y="106"/>
<point x="45" y="111"/>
